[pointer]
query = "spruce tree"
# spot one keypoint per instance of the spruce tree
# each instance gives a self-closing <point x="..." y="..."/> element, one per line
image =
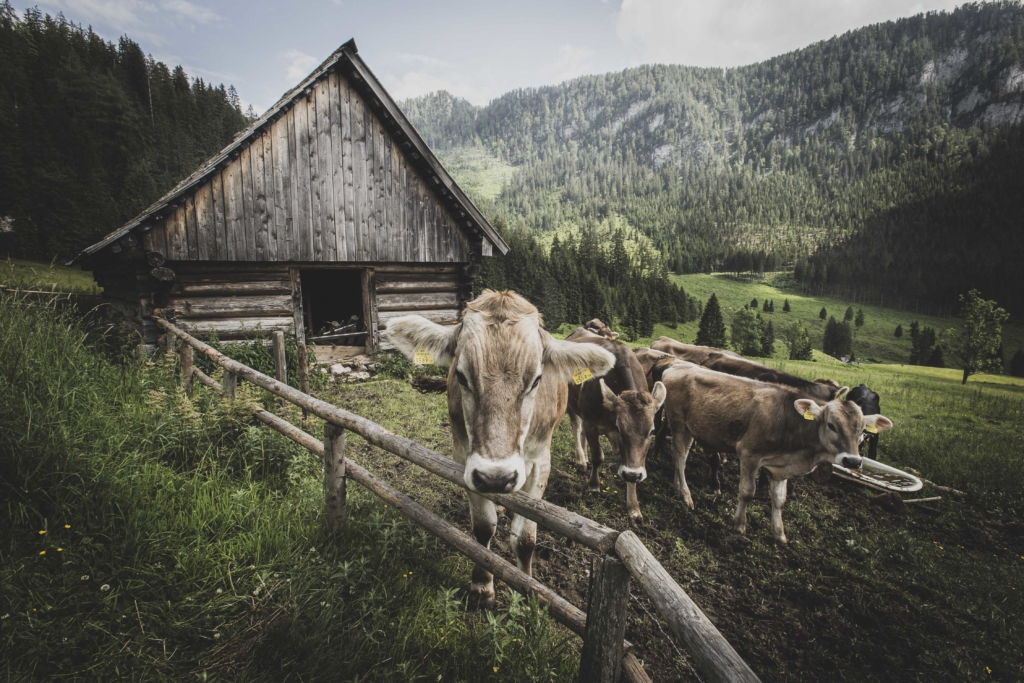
<point x="768" y="340"/>
<point x="859" y="320"/>
<point x="711" y="330"/>
<point x="785" y="306"/>
<point x="848" y="316"/>
<point x="899" y="332"/>
<point x="753" y="304"/>
<point x="764" y="306"/>
<point x="746" y="332"/>
<point x="822" y="313"/>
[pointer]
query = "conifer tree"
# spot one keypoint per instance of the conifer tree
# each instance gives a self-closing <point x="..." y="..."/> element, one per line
<point x="711" y="330"/>
<point x="785" y="306"/>
<point x="859" y="320"/>
<point x="822" y="313"/>
<point x="899" y="332"/>
<point x="753" y="303"/>
<point x="799" y="342"/>
<point x="768" y="340"/>
<point x="848" y="316"/>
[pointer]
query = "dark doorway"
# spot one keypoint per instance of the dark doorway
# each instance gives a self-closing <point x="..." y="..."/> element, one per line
<point x="332" y="303"/>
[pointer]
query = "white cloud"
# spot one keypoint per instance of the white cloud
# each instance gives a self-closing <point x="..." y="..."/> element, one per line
<point x="424" y="60"/>
<point x="415" y="83"/>
<point x="573" y="61"/>
<point x="119" y="14"/>
<point x="300" y="65"/>
<point x="191" y="12"/>
<point x="735" y="32"/>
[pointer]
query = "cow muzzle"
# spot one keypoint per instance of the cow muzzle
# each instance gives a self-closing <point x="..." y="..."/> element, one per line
<point x="851" y="462"/>
<point x="632" y="475"/>
<point x="494" y="476"/>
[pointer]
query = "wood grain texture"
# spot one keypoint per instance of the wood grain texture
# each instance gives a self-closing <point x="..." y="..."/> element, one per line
<point x="206" y="241"/>
<point x="607" y="614"/>
<point x="191" y="230"/>
<point x="220" y="235"/>
<point x="713" y="656"/>
<point x="337" y="170"/>
<point x="233" y="208"/>
<point x="325" y="159"/>
<point x="248" y="236"/>
<point x="303" y="220"/>
<point x="282" y="189"/>
<point x="261" y="219"/>
<point x="335" y="508"/>
<point x="232" y="306"/>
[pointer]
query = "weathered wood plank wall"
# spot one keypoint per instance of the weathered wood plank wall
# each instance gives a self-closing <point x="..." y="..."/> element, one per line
<point x="324" y="182"/>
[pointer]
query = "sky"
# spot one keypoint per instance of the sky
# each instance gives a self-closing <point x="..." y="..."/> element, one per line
<point x="476" y="49"/>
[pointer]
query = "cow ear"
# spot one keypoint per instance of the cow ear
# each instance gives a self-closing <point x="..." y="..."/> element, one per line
<point x="879" y="422"/>
<point x="424" y="341"/>
<point x="842" y="393"/>
<point x="658" y="393"/>
<point x="608" y="396"/>
<point x="566" y="358"/>
<point x="613" y="335"/>
<point x="808" y="408"/>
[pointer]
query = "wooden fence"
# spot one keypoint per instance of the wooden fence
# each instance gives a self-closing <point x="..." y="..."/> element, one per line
<point x="622" y="556"/>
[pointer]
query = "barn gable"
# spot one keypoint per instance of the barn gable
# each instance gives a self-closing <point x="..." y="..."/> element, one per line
<point x="333" y="172"/>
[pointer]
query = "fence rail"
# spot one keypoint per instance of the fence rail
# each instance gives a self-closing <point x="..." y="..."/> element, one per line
<point x="606" y="654"/>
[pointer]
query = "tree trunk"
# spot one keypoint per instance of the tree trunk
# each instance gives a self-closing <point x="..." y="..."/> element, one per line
<point x="966" y="375"/>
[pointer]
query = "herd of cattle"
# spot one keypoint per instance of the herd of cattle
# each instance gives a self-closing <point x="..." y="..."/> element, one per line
<point x="510" y="382"/>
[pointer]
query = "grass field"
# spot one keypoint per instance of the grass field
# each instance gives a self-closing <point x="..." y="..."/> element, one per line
<point x="32" y="275"/>
<point x="195" y="546"/>
<point x="873" y="341"/>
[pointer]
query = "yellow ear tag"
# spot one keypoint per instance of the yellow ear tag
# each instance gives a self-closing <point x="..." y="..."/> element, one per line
<point x="582" y="375"/>
<point x="422" y="357"/>
<point x="871" y="429"/>
<point x="808" y="415"/>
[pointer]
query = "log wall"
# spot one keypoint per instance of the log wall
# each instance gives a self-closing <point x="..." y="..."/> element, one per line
<point x="323" y="182"/>
<point x="128" y="289"/>
<point x="437" y="294"/>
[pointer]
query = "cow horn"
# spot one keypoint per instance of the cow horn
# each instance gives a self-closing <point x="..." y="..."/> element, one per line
<point x="841" y="394"/>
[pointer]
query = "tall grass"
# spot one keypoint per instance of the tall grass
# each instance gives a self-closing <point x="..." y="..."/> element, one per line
<point x="144" y="535"/>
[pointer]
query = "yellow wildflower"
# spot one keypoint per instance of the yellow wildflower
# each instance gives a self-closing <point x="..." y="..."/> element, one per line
<point x="42" y="552"/>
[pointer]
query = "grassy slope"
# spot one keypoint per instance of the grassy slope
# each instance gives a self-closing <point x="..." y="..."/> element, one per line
<point x="20" y="274"/>
<point x="873" y="341"/>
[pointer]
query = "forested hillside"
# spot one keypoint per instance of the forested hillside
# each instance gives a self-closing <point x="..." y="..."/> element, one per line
<point x="92" y="132"/>
<point x="888" y="157"/>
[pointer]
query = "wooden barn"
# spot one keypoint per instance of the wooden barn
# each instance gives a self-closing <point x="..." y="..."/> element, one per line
<point x="327" y="216"/>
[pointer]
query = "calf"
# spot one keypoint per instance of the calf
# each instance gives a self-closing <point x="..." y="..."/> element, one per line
<point x="766" y="425"/>
<point x="506" y="394"/>
<point x="734" y="364"/>
<point x="598" y="327"/>
<point x="620" y="407"/>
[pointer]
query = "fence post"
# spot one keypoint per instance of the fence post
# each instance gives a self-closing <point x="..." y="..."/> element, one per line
<point x="303" y="374"/>
<point x="601" y="659"/>
<point x="280" y="362"/>
<point x="230" y="385"/>
<point x="186" y="367"/>
<point x="334" y="476"/>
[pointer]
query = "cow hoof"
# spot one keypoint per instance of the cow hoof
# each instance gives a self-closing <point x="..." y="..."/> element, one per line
<point x="781" y="540"/>
<point x="741" y="529"/>
<point x="481" y="599"/>
<point x="636" y="517"/>
<point x="582" y="467"/>
<point x="689" y="502"/>
<point x="594" y="489"/>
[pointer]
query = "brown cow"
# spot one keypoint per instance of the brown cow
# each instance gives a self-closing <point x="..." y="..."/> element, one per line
<point x="619" y="406"/>
<point x="734" y="364"/>
<point x="766" y="425"/>
<point x="506" y="394"/>
<point x="598" y="327"/>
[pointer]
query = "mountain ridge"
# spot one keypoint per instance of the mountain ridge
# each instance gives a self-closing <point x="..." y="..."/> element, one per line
<point x="779" y="163"/>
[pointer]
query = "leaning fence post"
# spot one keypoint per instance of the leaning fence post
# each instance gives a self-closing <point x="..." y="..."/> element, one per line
<point x="334" y="476"/>
<point x="186" y="367"/>
<point x="303" y="374"/>
<point x="230" y="384"/>
<point x="601" y="659"/>
<point x="280" y="361"/>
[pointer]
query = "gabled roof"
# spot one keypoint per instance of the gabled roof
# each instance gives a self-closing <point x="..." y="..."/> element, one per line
<point x="359" y="75"/>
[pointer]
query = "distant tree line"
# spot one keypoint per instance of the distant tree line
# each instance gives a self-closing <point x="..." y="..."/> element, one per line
<point x="580" y="279"/>
<point x="93" y="132"/>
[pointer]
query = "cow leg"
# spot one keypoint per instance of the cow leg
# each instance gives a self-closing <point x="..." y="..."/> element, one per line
<point x="596" y="457"/>
<point x="661" y="433"/>
<point x="778" y="491"/>
<point x="485" y="520"/>
<point x="577" y="431"/>
<point x="682" y="440"/>
<point x="716" y="460"/>
<point x="524" y="531"/>
<point x="633" y="503"/>
<point x="748" y="484"/>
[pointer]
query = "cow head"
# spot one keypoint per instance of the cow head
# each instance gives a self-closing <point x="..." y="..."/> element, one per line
<point x="841" y="424"/>
<point x="503" y="363"/>
<point x="598" y="327"/>
<point x="634" y="426"/>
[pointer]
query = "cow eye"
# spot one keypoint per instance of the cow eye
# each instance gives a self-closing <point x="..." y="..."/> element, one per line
<point x="535" y="382"/>
<point x="652" y="432"/>
<point x="833" y="427"/>
<point x="462" y="379"/>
